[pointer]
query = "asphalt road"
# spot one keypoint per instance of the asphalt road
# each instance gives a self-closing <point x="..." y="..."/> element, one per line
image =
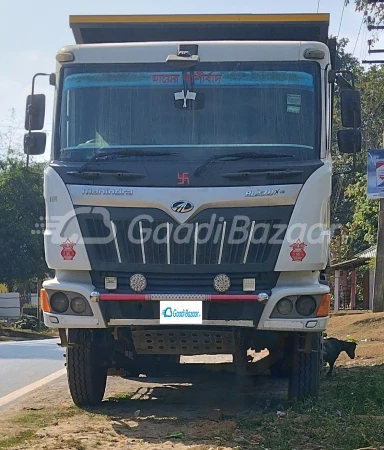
<point x="25" y="362"/>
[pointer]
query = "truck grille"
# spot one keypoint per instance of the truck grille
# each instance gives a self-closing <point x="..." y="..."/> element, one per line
<point x="202" y="242"/>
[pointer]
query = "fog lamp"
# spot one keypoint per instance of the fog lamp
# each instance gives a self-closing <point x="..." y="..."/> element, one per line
<point x="138" y="282"/>
<point x="221" y="283"/>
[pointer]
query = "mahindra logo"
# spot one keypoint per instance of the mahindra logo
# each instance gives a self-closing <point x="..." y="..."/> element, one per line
<point x="107" y="191"/>
<point x="182" y="206"/>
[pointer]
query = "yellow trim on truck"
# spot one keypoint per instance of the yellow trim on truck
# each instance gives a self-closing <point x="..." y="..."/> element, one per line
<point x="202" y="18"/>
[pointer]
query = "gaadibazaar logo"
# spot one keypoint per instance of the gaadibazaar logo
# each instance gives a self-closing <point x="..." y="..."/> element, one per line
<point x="143" y="228"/>
<point x="169" y="312"/>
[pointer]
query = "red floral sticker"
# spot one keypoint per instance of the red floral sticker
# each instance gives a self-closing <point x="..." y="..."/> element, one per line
<point x="68" y="252"/>
<point x="297" y="252"/>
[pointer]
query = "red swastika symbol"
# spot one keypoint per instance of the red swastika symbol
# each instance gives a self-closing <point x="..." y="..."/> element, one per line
<point x="183" y="178"/>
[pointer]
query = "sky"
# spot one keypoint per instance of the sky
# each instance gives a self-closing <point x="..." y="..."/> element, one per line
<point x="32" y="32"/>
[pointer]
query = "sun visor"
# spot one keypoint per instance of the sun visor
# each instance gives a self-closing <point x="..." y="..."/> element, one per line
<point x="179" y="28"/>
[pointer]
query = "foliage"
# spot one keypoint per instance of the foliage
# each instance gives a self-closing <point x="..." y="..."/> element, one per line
<point x="363" y="225"/>
<point x="22" y="205"/>
<point x="340" y="205"/>
<point x="373" y="10"/>
<point x="10" y="140"/>
<point x="350" y="207"/>
<point x="27" y="322"/>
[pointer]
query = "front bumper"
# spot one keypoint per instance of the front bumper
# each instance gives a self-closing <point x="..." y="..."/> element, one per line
<point x="251" y="312"/>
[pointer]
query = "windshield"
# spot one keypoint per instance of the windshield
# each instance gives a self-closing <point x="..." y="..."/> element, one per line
<point x="215" y="109"/>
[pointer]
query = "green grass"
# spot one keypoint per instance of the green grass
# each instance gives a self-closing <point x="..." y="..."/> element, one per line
<point x="121" y="397"/>
<point x="32" y="421"/>
<point x="40" y="418"/>
<point x="348" y="415"/>
<point x="19" y="438"/>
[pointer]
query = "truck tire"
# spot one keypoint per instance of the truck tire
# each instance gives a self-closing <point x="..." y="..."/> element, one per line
<point x="305" y="368"/>
<point x="86" y="376"/>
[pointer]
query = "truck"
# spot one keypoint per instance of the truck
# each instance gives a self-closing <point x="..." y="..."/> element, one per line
<point x="188" y="193"/>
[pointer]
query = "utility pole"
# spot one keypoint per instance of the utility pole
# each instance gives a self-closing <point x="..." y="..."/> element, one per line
<point x="38" y="305"/>
<point x="378" y="293"/>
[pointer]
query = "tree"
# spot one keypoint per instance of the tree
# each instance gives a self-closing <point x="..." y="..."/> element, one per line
<point x="10" y="139"/>
<point x="362" y="228"/>
<point x="340" y="205"/>
<point x="374" y="10"/>
<point x="350" y="207"/>
<point x="22" y="207"/>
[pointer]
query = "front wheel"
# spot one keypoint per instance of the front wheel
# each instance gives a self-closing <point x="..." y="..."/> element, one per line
<point x="87" y="376"/>
<point x="305" y="366"/>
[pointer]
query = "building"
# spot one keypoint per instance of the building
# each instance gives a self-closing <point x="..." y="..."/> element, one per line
<point x="353" y="281"/>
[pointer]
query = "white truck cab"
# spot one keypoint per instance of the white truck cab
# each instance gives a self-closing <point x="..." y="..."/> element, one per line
<point x="188" y="193"/>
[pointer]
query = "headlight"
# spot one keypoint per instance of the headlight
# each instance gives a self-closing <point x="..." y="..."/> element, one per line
<point x="284" y="306"/>
<point x="306" y="305"/>
<point x="78" y="305"/>
<point x="59" y="302"/>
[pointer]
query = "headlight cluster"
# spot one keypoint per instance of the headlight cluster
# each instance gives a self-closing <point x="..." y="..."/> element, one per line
<point x="61" y="303"/>
<point x="305" y="305"/>
<point x="285" y="306"/>
<point x="78" y="305"/>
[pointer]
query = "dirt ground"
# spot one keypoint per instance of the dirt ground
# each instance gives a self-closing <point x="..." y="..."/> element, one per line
<point x="215" y="411"/>
<point x="367" y="329"/>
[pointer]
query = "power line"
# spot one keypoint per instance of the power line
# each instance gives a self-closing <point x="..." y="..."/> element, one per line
<point x="342" y="15"/>
<point x="364" y="37"/>
<point x="366" y="46"/>
<point x="357" y="39"/>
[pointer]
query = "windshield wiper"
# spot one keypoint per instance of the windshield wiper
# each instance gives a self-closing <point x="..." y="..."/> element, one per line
<point x="268" y="173"/>
<point x="240" y="156"/>
<point x="101" y="173"/>
<point x="125" y="153"/>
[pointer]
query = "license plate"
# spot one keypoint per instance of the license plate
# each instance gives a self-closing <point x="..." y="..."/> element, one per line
<point x="181" y="312"/>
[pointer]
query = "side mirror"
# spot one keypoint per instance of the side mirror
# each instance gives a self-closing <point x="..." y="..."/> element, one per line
<point x="34" y="143"/>
<point x="349" y="141"/>
<point x="52" y="79"/>
<point x="35" y="112"/>
<point x="350" y="108"/>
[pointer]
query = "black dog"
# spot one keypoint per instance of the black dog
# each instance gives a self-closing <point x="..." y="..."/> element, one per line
<point x="332" y="348"/>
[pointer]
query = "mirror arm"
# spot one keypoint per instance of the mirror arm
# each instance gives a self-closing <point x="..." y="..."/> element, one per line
<point x="30" y="109"/>
<point x="342" y="81"/>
